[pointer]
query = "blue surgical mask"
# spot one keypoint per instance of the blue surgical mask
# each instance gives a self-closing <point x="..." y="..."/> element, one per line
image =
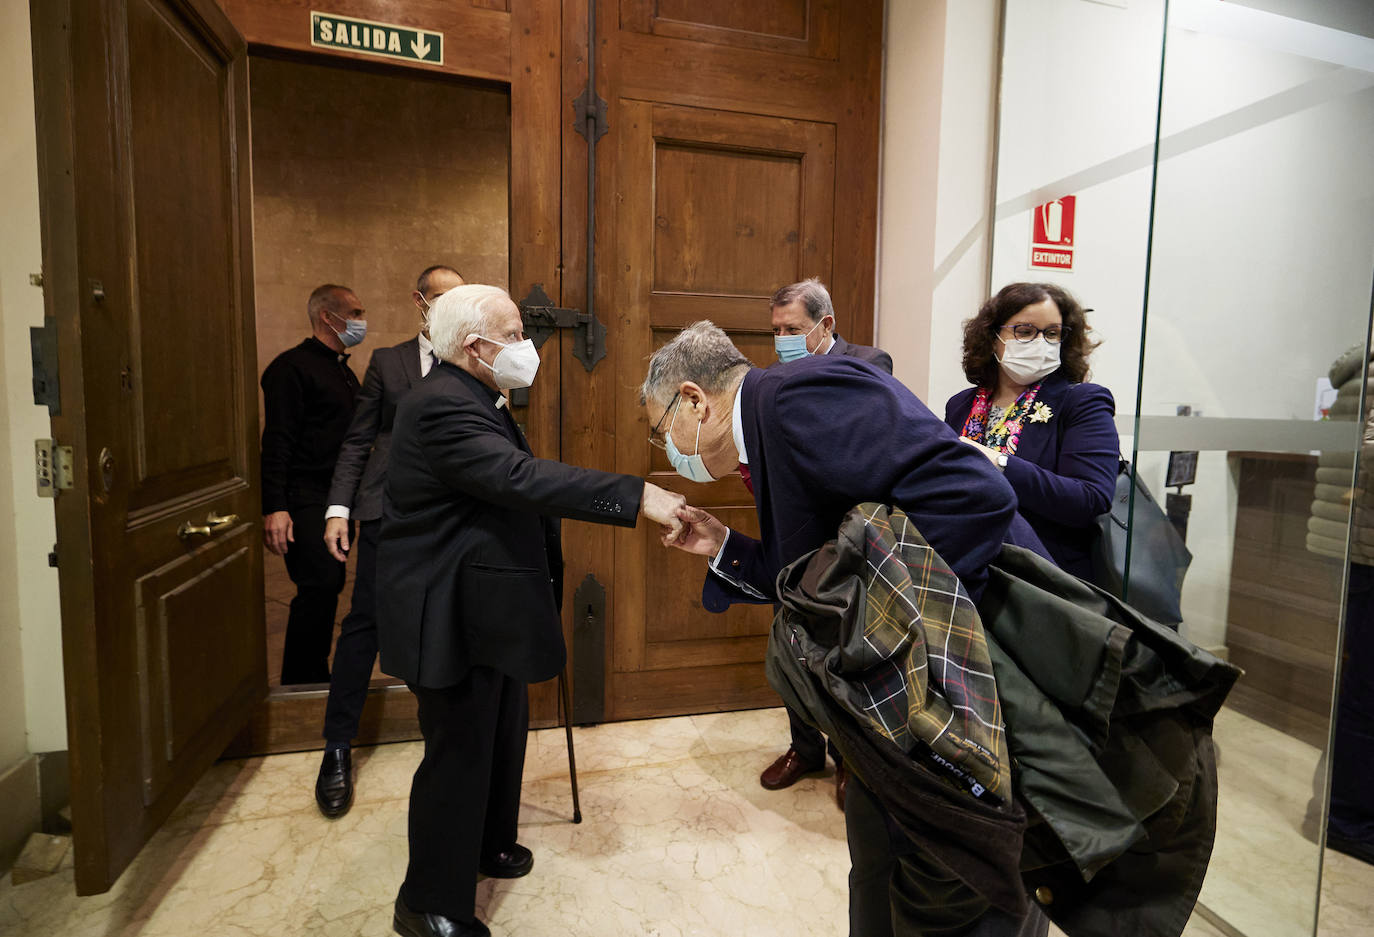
<point x="355" y="330"/>
<point x="792" y="347"/>
<point x="690" y="467"/>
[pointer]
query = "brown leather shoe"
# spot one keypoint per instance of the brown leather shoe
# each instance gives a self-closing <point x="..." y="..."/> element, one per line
<point x="841" y="783"/>
<point x="787" y="770"/>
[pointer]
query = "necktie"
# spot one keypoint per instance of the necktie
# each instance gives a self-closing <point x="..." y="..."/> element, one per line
<point x="744" y="474"/>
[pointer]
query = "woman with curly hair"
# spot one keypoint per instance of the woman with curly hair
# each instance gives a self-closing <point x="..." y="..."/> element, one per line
<point x="1032" y="414"/>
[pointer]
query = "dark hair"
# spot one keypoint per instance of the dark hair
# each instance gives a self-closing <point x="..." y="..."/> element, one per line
<point x="327" y="297"/>
<point x="422" y="283"/>
<point x="980" y="365"/>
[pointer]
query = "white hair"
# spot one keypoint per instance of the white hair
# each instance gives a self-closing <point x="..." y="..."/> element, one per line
<point x="461" y="312"/>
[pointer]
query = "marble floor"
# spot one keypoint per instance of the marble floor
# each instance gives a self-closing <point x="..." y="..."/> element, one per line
<point x="678" y="839"/>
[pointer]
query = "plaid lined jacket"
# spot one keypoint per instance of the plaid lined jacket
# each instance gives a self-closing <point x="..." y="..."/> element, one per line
<point x="1107" y="714"/>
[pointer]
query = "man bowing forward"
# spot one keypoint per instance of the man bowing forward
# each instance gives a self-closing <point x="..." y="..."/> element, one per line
<point x="469" y="577"/>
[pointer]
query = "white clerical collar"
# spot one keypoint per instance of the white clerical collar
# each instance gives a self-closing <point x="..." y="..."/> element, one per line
<point x="737" y="426"/>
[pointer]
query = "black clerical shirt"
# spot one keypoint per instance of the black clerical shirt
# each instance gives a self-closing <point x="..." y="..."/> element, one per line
<point x="308" y="392"/>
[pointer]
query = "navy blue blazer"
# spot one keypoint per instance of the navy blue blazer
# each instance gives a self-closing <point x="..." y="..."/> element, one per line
<point x="827" y="432"/>
<point x="1064" y="470"/>
<point x="870" y="353"/>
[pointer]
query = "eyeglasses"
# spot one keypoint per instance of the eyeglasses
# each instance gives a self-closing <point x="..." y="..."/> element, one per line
<point x="655" y="437"/>
<point x="1025" y="332"/>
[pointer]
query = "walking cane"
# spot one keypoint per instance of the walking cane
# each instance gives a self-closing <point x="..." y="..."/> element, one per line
<point x="565" y="705"/>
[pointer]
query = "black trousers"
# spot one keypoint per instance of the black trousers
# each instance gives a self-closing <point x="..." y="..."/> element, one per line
<point x="319" y="578"/>
<point x="356" y="650"/>
<point x="465" y="797"/>
<point x="810" y="744"/>
<point x="895" y="890"/>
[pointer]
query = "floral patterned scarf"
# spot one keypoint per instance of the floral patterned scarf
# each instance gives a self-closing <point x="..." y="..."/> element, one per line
<point x="1006" y="432"/>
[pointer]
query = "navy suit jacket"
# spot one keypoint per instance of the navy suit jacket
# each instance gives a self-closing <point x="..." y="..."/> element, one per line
<point x="827" y="432"/>
<point x="1064" y="470"/>
<point x="870" y="353"/>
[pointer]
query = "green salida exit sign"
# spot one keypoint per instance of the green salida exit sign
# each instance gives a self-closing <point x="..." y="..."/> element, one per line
<point x="332" y="31"/>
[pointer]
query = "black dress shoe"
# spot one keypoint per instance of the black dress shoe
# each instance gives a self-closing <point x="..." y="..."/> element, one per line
<point x="334" y="786"/>
<point x="515" y="862"/>
<point x="422" y="924"/>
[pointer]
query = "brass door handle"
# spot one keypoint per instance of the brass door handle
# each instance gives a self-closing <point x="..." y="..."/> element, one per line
<point x="214" y="523"/>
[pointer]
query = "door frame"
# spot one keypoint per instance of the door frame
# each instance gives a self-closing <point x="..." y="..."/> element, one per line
<point x="521" y="50"/>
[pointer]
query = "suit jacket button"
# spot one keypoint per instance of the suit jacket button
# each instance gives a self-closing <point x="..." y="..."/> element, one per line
<point x="1044" y="895"/>
<point x="734" y="563"/>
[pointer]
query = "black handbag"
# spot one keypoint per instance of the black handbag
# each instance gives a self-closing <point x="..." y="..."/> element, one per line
<point x="1159" y="558"/>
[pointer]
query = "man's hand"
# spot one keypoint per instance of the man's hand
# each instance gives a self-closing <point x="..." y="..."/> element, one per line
<point x="276" y="531"/>
<point x="662" y="507"/>
<point x="701" y="533"/>
<point x="336" y="538"/>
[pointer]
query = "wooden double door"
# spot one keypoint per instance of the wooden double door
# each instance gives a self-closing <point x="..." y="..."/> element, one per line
<point x="739" y="154"/>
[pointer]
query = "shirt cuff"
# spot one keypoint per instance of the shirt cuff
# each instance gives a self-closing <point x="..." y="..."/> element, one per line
<point x="740" y="584"/>
<point x="720" y="554"/>
<point x="336" y="510"/>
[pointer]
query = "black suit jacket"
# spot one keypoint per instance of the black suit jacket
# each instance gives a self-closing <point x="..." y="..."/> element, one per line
<point x="827" y="432"/>
<point x="469" y="544"/>
<point x="1064" y="469"/>
<point x="361" y="468"/>
<point x="869" y="353"/>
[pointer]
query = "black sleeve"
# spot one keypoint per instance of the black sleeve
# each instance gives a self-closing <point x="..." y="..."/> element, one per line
<point x="283" y="394"/>
<point x="468" y="451"/>
<point x="362" y="433"/>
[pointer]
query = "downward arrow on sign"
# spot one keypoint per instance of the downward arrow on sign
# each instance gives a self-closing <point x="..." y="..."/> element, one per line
<point x="420" y="46"/>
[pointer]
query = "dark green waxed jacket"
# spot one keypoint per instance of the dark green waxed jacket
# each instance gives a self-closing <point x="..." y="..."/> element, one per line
<point x="1108" y="719"/>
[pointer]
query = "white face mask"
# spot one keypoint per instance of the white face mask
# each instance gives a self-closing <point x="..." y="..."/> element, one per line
<point x="1027" y="362"/>
<point x="514" y="365"/>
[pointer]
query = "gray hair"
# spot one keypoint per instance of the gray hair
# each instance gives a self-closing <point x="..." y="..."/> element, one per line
<point x="701" y="353"/>
<point x="325" y="298"/>
<point x="814" y="296"/>
<point x="462" y="311"/>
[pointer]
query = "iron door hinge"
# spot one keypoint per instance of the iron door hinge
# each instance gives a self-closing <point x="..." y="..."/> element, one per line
<point x="589" y="115"/>
<point x="589" y="652"/>
<point x="541" y="318"/>
<point x="47" y="392"/>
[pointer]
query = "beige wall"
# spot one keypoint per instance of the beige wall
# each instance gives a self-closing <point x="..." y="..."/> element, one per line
<point x="939" y="89"/>
<point x="32" y="707"/>
<point x="366" y="179"/>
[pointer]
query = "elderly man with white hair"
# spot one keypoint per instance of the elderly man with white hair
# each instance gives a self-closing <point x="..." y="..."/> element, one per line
<point x="469" y="577"/>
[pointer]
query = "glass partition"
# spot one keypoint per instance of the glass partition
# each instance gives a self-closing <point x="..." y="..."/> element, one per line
<point x="1202" y="177"/>
<point x="1258" y="281"/>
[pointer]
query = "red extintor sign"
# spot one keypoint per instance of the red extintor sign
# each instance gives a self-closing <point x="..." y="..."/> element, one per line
<point x="1052" y="234"/>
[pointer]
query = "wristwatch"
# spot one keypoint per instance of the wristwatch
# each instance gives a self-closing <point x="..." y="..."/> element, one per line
<point x="1002" y="461"/>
